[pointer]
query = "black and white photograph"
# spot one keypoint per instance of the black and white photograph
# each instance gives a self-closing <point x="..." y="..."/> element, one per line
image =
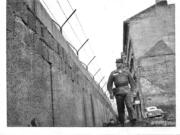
<point x="91" y="64"/>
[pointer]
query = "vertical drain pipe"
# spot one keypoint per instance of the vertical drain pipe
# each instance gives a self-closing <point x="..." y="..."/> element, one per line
<point x="93" y="113"/>
<point x="52" y="99"/>
<point x="84" y="107"/>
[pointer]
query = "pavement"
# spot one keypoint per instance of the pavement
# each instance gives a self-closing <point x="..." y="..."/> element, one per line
<point x="148" y="122"/>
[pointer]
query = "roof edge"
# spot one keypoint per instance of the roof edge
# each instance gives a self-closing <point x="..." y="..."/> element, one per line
<point x="163" y="3"/>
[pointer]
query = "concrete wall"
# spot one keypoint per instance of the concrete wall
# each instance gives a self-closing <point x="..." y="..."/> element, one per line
<point x="152" y="37"/>
<point x="46" y="83"/>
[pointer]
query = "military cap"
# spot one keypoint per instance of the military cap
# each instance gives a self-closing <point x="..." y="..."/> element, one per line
<point x="119" y="60"/>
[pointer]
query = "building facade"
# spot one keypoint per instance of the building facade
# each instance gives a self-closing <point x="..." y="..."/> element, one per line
<point x="149" y="49"/>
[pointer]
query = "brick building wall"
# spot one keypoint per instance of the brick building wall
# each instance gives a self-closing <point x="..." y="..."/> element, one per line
<point x="149" y="44"/>
<point x="46" y="82"/>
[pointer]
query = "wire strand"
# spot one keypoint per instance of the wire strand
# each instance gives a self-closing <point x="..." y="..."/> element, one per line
<point x="49" y="10"/>
<point x="77" y="19"/>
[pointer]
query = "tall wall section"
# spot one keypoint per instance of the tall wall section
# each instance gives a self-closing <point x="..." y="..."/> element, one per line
<point x="46" y="83"/>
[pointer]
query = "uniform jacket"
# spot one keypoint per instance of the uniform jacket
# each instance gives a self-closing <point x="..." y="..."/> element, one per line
<point x="121" y="79"/>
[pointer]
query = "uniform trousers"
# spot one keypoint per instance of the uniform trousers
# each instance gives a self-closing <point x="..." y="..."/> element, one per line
<point x="122" y="100"/>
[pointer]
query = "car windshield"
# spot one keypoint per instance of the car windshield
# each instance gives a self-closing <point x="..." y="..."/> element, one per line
<point x="151" y="108"/>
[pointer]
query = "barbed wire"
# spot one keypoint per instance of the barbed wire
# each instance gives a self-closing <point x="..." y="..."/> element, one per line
<point x="68" y="22"/>
<point x="82" y="29"/>
<point x="77" y="19"/>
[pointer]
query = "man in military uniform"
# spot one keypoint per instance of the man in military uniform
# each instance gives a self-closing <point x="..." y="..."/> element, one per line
<point x="123" y="93"/>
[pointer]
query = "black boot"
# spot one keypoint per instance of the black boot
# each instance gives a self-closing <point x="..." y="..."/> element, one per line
<point x="120" y="124"/>
<point x="133" y="122"/>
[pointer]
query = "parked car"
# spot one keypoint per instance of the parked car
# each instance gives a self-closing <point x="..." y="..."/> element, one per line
<point x="153" y="111"/>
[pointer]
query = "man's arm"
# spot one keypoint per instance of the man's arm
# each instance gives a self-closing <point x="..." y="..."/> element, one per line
<point x="131" y="82"/>
<point x="110" y="83"/>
